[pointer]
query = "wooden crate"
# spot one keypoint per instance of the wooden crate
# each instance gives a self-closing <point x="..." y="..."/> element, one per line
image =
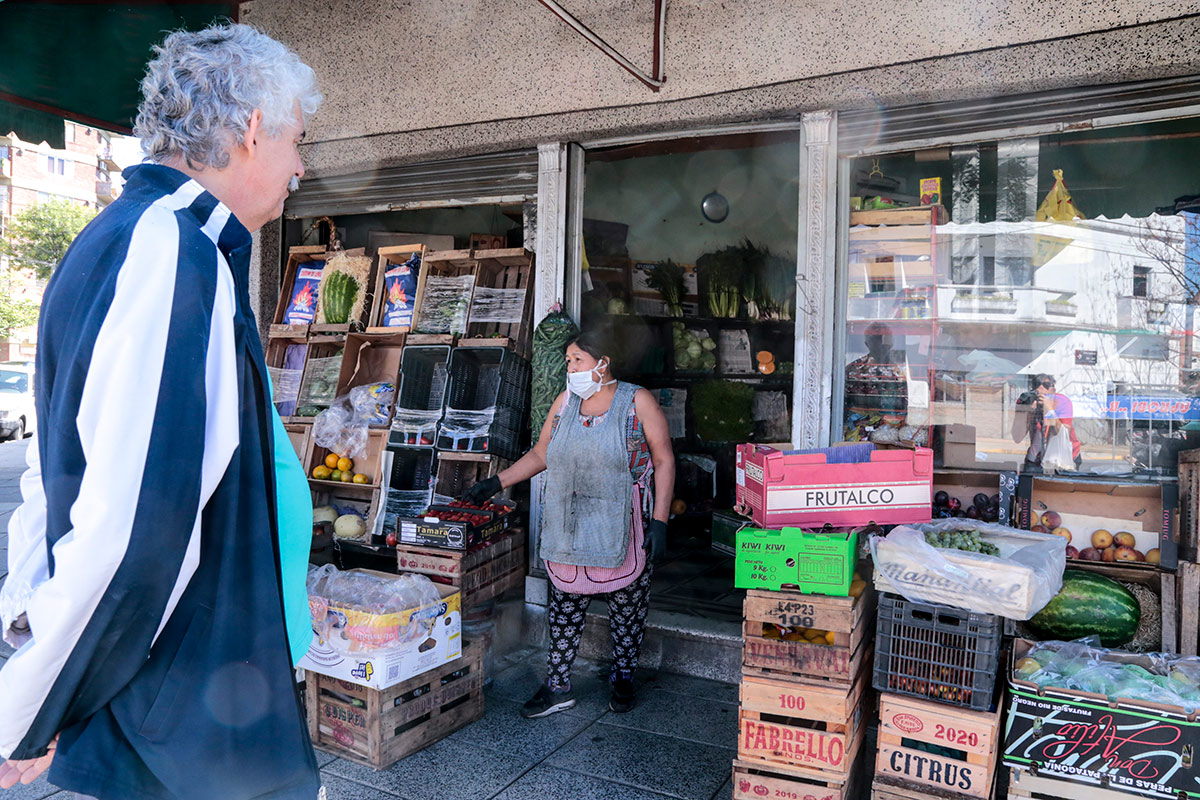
<point x="510" y="270"/>
<point x="369" y="464"/>
<point x="364" y="499"/>
<point x="459" y="471"/>
<point x="447" y="264"/>
<point x="298" y="434"/>
<point x="891" y="789"/>
<point x="1187" y="605"/>
<point x="815" y="729"/>
<point x="755" y="781"/>
<point x="1024" y="784"/>
<point x="320" y="347"/>
<point x="275" y="356"/>
<point x="1188" y="531"/>
<point x="483" y="572"/>
<point x="357" y="323"/>
<point x="377" y="728"/>
<point x="1171" y="588"/>
<point x="850" y="618"/>
<point x="388" y="257"/>
<point x="296" y="257"/>
<point x="975" y="734"/>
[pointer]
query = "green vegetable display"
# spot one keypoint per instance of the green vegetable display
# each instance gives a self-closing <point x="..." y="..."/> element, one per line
<point x="966" y="540"/>
<point x="1165" y="678"/>
<point x="549" y="367"/>
<point x="1089" y="604"/>
<point x="720" y="276"/>
<point x="338" y="292"/>
<point x="694" y="350"/>
<point x="666" y="278"/>
<point x="723" y="411"/>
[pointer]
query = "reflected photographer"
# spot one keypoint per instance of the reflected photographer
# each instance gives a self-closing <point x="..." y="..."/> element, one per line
<point x="1043" y="415"/>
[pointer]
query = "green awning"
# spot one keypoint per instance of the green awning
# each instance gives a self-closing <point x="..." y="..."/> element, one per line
<point x="83" y="60"/>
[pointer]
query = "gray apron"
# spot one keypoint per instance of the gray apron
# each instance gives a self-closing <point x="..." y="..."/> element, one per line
<point x="589" y="491"/>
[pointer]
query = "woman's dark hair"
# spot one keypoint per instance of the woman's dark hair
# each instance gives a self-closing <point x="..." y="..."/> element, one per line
<point x="1038" y="380"/>
<point x="590" y="342"/>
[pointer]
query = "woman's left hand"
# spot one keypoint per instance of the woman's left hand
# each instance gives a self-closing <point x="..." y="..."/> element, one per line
<point x="656" y="541"/>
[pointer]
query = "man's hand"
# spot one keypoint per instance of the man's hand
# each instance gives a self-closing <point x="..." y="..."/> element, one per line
<point x="28" y="771"/>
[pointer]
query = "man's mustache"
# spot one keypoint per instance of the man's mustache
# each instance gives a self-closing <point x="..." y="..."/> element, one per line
<point x="293" y="184"/>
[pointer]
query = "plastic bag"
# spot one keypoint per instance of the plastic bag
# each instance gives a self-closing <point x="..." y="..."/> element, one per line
<point x="400" y="292"/>
<point x="360" y="612"/>
<point x="340" y="430"/>
<point x="1017" y="583"/>
<point x="373" y="402"/>
<point x="1058" y="455"/>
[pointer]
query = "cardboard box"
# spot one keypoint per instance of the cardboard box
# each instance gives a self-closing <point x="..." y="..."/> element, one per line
<point x="1136" y="746"/>
<point x="810" y="562"/>
<point x="385" y="668"/>
<point x="1150" y="511"/>
<point x="954" y="446"/>
<point x="963" y="485"/>
<point x="370" y="358"/>
<point x="801" y="488"/>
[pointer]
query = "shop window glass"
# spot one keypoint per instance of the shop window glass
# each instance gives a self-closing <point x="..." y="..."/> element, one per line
<point x="690" y="247"/>
<point x="1026" y="289"/>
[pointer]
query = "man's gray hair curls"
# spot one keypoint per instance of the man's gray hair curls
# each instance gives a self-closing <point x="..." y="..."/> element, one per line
<point x="202" y="87"/>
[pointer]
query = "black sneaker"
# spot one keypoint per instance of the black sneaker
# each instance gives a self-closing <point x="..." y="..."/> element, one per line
<point x="623" y="698"/>
<point x="547" y="702"/>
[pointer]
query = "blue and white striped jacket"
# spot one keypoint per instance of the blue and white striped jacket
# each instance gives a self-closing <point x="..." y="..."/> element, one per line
<point x="146" y="552"/>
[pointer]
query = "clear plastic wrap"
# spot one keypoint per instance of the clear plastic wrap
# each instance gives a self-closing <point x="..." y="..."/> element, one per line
<point x="339" y="430"/>
<point x="445" y="303"/>
<point x="497" y="305"/>
<point x="319" y="385"/>
<point x="417" y="426"/>
<point x="1017" y="583"/>
<point x="1084" y="666"/>
<point x="360" y="612"/>
<point x="459" y="425"/>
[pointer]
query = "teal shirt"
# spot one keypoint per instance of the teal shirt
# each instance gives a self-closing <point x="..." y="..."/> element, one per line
<point x="294" y="517"/>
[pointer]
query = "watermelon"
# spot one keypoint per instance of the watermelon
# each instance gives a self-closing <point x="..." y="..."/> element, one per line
<point x="1089" y="604"/>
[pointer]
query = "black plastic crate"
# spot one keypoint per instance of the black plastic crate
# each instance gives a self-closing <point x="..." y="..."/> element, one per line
<point x="488" y="405"/>
<point x="937" y="653"/>
<point x="410" y="485"/>
<point x="421" y="396"/>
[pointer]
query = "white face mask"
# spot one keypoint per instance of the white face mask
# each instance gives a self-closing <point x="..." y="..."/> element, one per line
<point x="584" y="385"/>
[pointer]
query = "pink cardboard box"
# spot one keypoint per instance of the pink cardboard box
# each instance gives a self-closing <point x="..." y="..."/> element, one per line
<point x="838" y="486"/>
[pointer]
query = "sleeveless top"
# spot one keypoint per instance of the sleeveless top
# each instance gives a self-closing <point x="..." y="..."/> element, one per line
<point x="598" y="472"/>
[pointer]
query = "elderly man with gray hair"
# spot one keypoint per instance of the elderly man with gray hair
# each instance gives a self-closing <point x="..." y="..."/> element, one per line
<point x="157" y="562"/>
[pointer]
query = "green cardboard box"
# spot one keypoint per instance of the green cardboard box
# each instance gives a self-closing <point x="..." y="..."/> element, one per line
<point x="819" y="562"/>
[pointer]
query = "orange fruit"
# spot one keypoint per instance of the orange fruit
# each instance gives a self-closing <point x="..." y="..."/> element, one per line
<point x="360" y="478"/>
<point x="765" y="357"/>
<point x="345" y="464"/>
<point x="766" y="368"/>
<point x="829" y="637"/>
<point x="331" y="461"/>
<point x="321" y="473"/>
<point x="336" y="475"/>
<point x="347" y="476"/>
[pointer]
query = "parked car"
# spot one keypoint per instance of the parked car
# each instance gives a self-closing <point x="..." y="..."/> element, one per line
<point x="17" y="414"/>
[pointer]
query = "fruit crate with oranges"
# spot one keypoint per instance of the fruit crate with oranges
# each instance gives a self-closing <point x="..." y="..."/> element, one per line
<point x="811" y="638"/>
<point x="456" y="525"/>
<point x="936" y="652"/>
<point x="325" y="467"/>
<point x="1134" y="523"/>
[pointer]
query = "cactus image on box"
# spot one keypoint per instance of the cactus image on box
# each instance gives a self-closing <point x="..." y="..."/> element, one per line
<point x="338" y="294"/>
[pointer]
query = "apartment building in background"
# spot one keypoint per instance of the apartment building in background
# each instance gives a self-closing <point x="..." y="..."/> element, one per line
<point x="83" y="172"/>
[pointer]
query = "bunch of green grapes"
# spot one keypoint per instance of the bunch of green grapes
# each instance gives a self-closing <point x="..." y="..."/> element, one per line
<point x="965" y="540"/>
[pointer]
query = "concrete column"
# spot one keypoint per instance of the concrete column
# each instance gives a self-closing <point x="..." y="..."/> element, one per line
<point x="812" y="384"/>
<point x="264" y="273"/>
<point x="550" y="285"/>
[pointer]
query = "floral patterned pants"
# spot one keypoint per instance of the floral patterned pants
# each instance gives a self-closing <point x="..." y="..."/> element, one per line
<point x="627" y="624"/>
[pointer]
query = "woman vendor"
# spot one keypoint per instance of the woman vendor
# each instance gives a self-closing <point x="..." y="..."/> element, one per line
<point x="610" y="474"/>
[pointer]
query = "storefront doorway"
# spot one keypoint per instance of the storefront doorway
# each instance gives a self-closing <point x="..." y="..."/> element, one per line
<point x="690" y="274"/>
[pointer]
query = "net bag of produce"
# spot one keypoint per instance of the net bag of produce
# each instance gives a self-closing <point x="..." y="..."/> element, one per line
<point x="357" y="612"/>
<point x="549" y="366"/>
<point x="972" y="565"/>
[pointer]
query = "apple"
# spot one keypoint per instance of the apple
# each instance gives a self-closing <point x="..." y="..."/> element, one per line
<point x="1152" y="556"/>
<point x="1089" y="554"/>
<point x="1039" y="529"/>
<point x="1072" y="552"/>
<point x="1108" y="554"/>
<point x="1126" y="554"/>
<point x="1063" y="532"/>
<point x="1101" y="539"/>
<point x="1124" y="539"/>
<point x="1051" y="519"/>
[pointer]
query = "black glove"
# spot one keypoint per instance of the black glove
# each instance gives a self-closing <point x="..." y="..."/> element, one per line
<point x="656" y="541"/>
<point x="483" y="491"/>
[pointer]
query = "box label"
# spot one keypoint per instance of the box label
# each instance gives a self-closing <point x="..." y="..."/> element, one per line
<point x="1135" y="750"/>
<point x="817" y="498"/>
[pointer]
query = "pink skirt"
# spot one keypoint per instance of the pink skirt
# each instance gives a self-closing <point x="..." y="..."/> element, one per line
<point x="601" y="580"/>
